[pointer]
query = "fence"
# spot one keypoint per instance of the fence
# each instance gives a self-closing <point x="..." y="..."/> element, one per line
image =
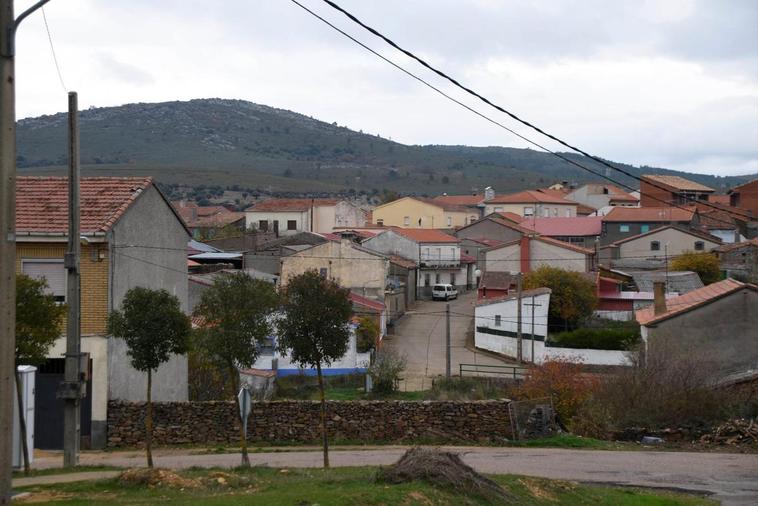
<point x="515" y="372"/>
<point x="532" y="418"/>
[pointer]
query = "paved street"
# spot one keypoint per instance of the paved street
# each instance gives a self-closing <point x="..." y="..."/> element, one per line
<point x="421" y="338"/>
<point x="731" y="478"/>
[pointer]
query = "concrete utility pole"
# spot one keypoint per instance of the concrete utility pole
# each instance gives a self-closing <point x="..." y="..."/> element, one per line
<point x="519" y="337"/>
<point x="447" y="340"/>
<point x="8" y="26"/>
<point x="71" y="387"/>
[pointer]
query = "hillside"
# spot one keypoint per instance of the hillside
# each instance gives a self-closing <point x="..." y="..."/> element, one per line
<point x="233" y="142"/>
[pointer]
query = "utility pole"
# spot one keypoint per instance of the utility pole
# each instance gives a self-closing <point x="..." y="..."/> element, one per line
<point x="71" y="387"/>
<point x="519" y="337"/>
<point x="447" y="341"/>
<point x="7" y="247"/>
<point x="8" y="26"/>
<point x="532" y="305"/>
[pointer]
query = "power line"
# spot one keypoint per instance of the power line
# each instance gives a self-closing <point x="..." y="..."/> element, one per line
<point x="52" y="49"/>
<point x="497" y="107"/>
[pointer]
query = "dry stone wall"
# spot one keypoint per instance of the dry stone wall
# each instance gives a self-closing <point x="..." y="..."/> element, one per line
<point x="298" y="421"/>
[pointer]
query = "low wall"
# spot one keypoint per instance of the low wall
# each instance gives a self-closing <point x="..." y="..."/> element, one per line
<point x="508" y="346"/>
<point x="298" y="421"/>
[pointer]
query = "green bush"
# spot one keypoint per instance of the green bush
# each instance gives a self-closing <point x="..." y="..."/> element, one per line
<point x="598" y="339"/>
<point x="386" y="370"/>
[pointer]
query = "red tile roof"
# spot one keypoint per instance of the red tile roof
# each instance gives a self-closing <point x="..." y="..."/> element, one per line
<point x="290" y="204"/>
<point x="563" y="244"/>
<point x="467" y="259"/>
<point x="583" y="210"/>
<point x="675" y="183"/>
<point x="366" y="302"/>
<point x="720" y="199"/>
<point x="426" y="235"/>
<point x="42" y="203"/>
<point x="402" y="262"/>
<point x="206" y="216"/>
<point x="648" y="214"/>
<point x="562" y="227"/>
<point x="460" y="200"/>
<point x="529" y="196"/>
<point x="515" y="218"/>
<point x="737" y="188"/>
<point x="487" y="242"/>
<point x="691" y="300"/>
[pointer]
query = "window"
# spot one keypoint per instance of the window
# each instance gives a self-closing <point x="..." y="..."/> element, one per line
<point x="323" y="272"/>
<point x="699" y="245"/>
<point x="568" y="213"/>
<point x="623" y="228"/>
<point x="426" y="279"/>
<point x="644" y="228"/>
<point x="438" y="254"/>
<point x="407" y="221"/>
<point x="528" y="211"/>
<point x="555" y="212"/>
<point x="263" y="225"/>
<point x="655" y="246"/>
<point x="52" y="271"/>
<point x="380" y="222"/>
<point x="291" y="225"/>
<point x="449" y="221"/>
<point x="497" y="320"/>
<point x="437" y="278"/>
<point x="546" y="212"/>
<point x="452" y="278"/>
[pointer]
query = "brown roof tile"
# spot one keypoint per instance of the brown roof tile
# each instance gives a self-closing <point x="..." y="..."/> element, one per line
<point x="42" y="203"/>
<point x="691" y="300"/>
<point x="649" y="214"/>
<point x="529" y="196"/>
<point x="422" y="235"/>
<point x="676" y="183"/>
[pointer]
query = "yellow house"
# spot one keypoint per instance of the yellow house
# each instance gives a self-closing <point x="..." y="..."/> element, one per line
<point x="131" y="236"/>
<point x="418" y="212"/>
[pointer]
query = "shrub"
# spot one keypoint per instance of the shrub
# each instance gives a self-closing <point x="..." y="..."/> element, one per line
<point x="672" y="388"/>
<point x="573" y="297"/>
<point x="561" y="379"/>
<point x="366" y="334"/>
<point x="468" y="389"/>
<point x="704" y="264"/>
<point x="597" y="339"/>
<point x="385" y="371"/>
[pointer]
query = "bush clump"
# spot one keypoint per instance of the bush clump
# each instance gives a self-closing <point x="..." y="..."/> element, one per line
<point x="386" y="370"/>
<point x="597" y="339"/>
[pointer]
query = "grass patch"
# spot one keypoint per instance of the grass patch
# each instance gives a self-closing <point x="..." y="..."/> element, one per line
<point x="569" y="441"/>
<point x="63" y="470"/>
<point x="343" y="486"/>
<point x="349" y="387"/>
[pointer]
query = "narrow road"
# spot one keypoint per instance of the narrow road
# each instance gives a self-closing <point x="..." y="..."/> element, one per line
<point x="730" y="478"/>
<point x="420" y="336"/>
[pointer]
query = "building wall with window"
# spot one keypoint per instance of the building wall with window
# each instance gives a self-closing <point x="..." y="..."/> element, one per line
<point x="659" y="244"/>
<point x="409" y="212"/>
<point x="351" y="266"/>
<point x="32" y="258"/>
<point x="526" y="209"/>
<point x="285" y="222"/>
<point x="615" y="231"/>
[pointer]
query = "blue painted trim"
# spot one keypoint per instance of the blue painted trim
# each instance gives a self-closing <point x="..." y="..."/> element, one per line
<point x="325" y="372"/>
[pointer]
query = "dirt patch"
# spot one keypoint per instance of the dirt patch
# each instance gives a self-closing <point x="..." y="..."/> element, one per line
<point x="43" y="496"/>
<point x="417" y="498"/>
<point x="156" y="478"/>
<point x="537" y="491"/>
<point x="442" y="469"/>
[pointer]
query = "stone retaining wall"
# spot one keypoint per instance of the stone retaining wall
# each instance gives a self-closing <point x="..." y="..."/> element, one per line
<point x="298" y="421"/>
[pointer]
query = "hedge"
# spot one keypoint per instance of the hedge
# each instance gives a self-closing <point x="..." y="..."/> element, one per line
<point x="597" y="339"/>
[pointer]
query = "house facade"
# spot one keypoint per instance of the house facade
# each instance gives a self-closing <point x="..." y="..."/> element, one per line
<point x="530" y="203"/>
<point x="716" y="322"/>
<point x="582" y="231"/>
<point x="418" y="212"/>
<point x="623" y="222"/>
<point x="745" y="196"/>
<point x="531" y="252"/>
<point x="204" y="222"/>
<point x="598" y="196"/>
<point x="739" y="260"/>
<point x="492" y="227"/>
<point x="660" y="243"/>
<point x="133" y="237"/>
<point x="292" y="216"/>
<point x="359" y="269"/>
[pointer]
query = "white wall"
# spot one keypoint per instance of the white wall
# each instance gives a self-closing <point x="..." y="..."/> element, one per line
<point x="552" y="210"/>
<point x="440" y="254"/>
<point x="302" y="219"/>
<point x="678" y="242"/>
<point x="541" y="253"/>
<point x="505" y="259"/>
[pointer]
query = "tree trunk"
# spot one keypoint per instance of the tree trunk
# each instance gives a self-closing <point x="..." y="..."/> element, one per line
<point x="243" y="437"/>
<point x="149" y="420"/>
<point x="324" y="437"/>
<point x="22" y="422"/>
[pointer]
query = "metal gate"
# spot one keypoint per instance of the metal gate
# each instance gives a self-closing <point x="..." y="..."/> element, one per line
<point x="48" y="410"/>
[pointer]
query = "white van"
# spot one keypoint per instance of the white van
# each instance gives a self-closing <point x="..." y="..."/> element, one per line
<point x="444" y="292"/>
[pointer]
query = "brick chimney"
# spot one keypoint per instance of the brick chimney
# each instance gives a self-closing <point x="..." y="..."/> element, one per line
<point x="659" y="297"/>
<point x="524" y="253"/>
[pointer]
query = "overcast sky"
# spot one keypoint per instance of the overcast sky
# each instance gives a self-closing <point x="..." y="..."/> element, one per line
<point x="670" y="83"/>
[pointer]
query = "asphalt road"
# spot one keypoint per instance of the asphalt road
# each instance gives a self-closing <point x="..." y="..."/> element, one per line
<point x="729" y="478"/>
<point x="420" y="336"/>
